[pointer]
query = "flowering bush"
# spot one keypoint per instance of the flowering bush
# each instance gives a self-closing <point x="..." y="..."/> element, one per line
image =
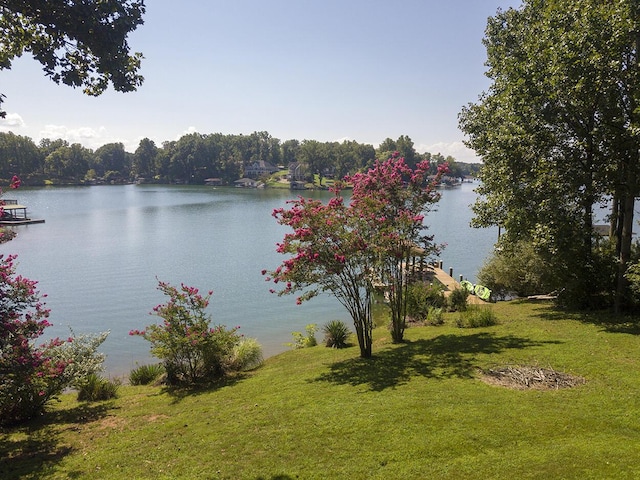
<point x="392" y="199"/>
<point x="30" y="375"/>
<point x="192" y="350"/>
<point x="80" y="355"/>
<point x="328" y="252"/>
<point x="345" y="250"/>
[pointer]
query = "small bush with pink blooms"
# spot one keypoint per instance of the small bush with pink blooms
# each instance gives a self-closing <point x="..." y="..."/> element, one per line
<point x="191" y="349"/>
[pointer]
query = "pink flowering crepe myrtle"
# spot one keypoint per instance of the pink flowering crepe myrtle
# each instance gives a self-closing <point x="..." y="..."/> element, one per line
<point x="30" y="375"/>
<point x="340" y="249"/>
<point x="15" y="183"/>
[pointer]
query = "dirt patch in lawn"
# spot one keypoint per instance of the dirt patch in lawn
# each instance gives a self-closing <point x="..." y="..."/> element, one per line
<point x="523" y="377"/>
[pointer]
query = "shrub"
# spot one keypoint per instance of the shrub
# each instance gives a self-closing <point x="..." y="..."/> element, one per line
<point x="435" y="316"/>
<point x="421" y="297"/>
<point x="518" y="270"/>
<point x="80" y="355"/>
<point x="97" y="388"/>
<point x="336" y="334"/>
<point x="457" y="301"/>
<point x="192" y="351"/>
<point x="477" y="317"/>
<point x="247" y="355"/>
<point x="304" y="340"/>
<point x="146" y="374"/>
<point x="30" y="374"/>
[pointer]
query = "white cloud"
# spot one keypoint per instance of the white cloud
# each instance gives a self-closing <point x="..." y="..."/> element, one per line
<point x="457" y="150"/>
<point x="188" y="131"/>
<point x="11" y="121"/>
<point x="86" y="136"/>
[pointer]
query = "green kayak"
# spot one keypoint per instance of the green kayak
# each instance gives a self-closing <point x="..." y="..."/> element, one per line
<point x="483" y="292"/>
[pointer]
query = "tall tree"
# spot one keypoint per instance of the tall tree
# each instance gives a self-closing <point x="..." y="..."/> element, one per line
<point x="111" y="157"/>
<point x="391" y="200"/>
<point x="343" y="249"/>
<point x="329" y="253"/>
<point x="70" y="162"/>
<point x="79" y="43"/>
<point x="144" y="159"/>
<point x="18" y="155"/>
<point x="556" y="131"/>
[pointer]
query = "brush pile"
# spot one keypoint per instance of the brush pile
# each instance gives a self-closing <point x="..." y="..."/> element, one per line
<point x="530" y="377"/>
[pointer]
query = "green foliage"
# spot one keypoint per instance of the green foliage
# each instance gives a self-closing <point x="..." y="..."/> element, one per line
<point x="80" y="354"/>
<point x="247" y="355"/>
<point x="457" y="300"/>
<point x="304" y="340"/>
<point x="557" y="138"/>
<point x="191" y="350"/>
<point x="91" y="56"/>
<point x="435" y="316"/>
<point x="336" y="334"/>
<point x="476" y="317"/>
<point x="146" y="374"/>
<point x="518" y="270"/>
<point x="421" y="297"/>
<point x="97" y="388"/>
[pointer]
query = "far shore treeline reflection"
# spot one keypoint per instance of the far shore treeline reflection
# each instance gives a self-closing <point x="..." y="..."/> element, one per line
<point x="197" y="157"/>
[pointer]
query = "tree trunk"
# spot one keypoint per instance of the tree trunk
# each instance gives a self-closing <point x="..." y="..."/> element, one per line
<point x="628" y="204"/>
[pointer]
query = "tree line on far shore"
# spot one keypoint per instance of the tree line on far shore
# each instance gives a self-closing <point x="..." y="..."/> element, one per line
<point x="196" y="157"/>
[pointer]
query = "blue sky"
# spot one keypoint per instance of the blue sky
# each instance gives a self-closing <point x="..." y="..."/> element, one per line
<point x="325" y="70"/>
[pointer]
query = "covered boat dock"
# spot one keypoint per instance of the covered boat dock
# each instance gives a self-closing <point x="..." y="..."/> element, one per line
<point x="15" y="214"/>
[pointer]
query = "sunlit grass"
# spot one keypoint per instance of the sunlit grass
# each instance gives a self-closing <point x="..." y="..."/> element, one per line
<point x="416" y="410"/>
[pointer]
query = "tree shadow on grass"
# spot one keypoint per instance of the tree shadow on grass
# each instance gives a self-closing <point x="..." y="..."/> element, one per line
<point x="606" y="320"/>
<point x="30" y="449"/>
<point x="180" y="392"/>
<point x="445" y="356"/>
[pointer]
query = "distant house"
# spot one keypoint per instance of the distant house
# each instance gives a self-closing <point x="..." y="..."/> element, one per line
<point x="257" y="169"/>
<point x="296" y="172"/>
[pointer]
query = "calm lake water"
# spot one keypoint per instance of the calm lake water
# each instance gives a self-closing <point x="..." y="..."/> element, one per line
<point x="101" y="250"/>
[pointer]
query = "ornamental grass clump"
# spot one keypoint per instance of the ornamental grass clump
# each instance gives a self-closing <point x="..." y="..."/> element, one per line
<point x="247" y="355"/>
<point x="336" y="334"/>
<point x="97" y="388"/>
<point x="146" y="374"/>
<point x="192" y="351"/>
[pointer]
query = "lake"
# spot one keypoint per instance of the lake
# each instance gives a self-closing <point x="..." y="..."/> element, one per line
<point x="101" y="250"/>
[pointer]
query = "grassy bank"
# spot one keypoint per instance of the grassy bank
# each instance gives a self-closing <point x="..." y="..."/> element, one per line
<point x="417" y="410"/>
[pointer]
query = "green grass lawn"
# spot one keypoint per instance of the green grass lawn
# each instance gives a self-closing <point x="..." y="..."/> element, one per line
<point x="416" y="410"/>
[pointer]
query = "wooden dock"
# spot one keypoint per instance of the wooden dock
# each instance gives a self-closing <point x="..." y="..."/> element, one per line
<point x="15" y="214"/>
<point x="450" y="284"/>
